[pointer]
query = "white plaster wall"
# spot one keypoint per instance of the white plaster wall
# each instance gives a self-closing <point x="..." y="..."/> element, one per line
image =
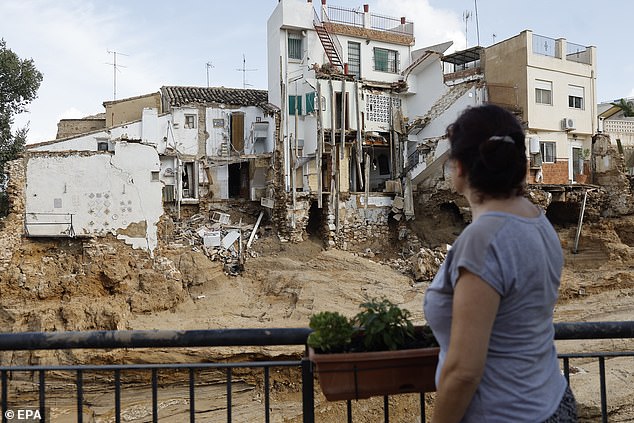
<point x="438" y="127"/>
<point x="217" y="136"/>
<point x="428" y="86"/>
<point x="288" y="14"/>
<point x="220" y="135"/>
<point x="326" y="106"/>
<point x="80" y="143"/>
<point x="155" y="132"/>
<point x="222" y="178"/>
<point x="105" y="193"/>
<point x="186" y="140"/>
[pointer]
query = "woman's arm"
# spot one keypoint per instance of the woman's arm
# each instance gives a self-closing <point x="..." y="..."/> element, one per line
<point x="475" y="305"/>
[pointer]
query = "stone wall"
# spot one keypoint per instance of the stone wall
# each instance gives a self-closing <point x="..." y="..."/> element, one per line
<point x="360" y="226"/>
<point x="609" y="173"/>
<point x="70" y="127"/>
<point x="12" y="226"/>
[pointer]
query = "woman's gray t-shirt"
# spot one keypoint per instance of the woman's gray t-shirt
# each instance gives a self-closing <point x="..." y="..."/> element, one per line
<point x="521" y="258"/>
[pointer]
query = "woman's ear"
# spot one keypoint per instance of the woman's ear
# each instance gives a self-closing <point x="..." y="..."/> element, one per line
<point x="458" y="168"/>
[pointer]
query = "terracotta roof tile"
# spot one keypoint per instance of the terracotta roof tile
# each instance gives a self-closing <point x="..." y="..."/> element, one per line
<point x="179" y="96"/>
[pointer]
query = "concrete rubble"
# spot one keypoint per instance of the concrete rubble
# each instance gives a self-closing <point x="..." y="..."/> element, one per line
<point x="218" y="238"/>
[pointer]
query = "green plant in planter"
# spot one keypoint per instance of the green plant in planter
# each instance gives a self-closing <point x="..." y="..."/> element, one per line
<point x="332" y="332"/>
<point x="385" y="325"/>
<point x="380" y="326"/>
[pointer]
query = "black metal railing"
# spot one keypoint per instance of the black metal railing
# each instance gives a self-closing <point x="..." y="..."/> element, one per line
<point x="43" y="388"/>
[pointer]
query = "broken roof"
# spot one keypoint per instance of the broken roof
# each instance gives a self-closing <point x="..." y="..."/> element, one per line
<point x="465" y="56"/>
<point x="180" y="96"/>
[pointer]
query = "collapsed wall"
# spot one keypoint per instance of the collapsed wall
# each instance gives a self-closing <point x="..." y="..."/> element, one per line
<point x="12" y="226"/>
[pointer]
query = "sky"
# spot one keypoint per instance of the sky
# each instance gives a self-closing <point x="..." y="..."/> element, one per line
<point x="159" y="42"/>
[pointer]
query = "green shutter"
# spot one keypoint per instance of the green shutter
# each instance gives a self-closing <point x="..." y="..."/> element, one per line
<point x="310" y="102"/>
<point x="292" y="100"/>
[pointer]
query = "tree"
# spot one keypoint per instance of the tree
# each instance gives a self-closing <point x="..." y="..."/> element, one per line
<point x="626" y="106"/>
<point x="19" y="82"/>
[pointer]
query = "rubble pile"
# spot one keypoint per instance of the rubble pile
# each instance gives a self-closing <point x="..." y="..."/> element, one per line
<point x="217" y="238"/>
<point x="422" y="266"/>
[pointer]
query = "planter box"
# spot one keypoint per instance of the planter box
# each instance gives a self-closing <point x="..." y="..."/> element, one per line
<point x="360" y="375"/>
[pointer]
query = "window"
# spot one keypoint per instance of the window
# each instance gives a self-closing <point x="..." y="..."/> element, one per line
<point x="190" y="121"/>
<point x="102" y="146"/>
<point x="155" y="176"/>
<point x="575" y="97"/>
<point x="292" y="101"/>
<point x="354" y="59"/>
<point x="543" y="92"/>
<point x="295" y="46"/>
<point x="548" y="152"/>
<point x="385" y="60"/>
<point x="310" y="102"/>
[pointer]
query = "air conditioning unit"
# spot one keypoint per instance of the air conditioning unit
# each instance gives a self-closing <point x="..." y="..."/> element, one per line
<point x="567" y="124"/>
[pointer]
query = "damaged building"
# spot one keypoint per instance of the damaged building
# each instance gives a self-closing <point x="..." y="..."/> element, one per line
<point x="175" y="151"/>
<point x="343" y="145"/>
<point x="336" y="76"/>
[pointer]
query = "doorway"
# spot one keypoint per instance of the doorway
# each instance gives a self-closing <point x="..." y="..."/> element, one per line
<point x="238" y="183"/>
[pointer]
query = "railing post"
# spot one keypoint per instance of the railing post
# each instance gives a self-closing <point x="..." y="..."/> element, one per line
<point x="308" y="391"/>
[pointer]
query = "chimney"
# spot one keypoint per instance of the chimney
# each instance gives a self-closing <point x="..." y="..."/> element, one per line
<point x="323" y="2"/>
<point x="402" y="20"/>
<point x="366" y="8"/>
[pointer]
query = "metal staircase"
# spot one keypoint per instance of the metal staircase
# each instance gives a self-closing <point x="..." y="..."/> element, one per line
<point x="334" y="56"/>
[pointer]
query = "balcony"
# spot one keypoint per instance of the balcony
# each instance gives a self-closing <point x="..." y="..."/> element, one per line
<point x="371" y="26"/>
<point x="201" y="389"/>
<point x="560" y="48"/>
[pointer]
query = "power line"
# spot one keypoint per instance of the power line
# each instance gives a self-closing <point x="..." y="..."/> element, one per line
<point x="244" y="71"/>
<point x="115" y="69"/>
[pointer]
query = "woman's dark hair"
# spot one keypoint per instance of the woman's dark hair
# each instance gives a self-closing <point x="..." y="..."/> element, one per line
<point x="489" y="143"/>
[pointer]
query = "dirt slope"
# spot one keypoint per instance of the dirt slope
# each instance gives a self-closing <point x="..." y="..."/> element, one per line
<point x="103" y="284"/>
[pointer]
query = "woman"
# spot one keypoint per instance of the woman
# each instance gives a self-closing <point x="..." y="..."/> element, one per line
<point x="491" y="303"/>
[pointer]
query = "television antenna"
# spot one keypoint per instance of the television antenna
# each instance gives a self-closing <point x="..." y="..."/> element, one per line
<point x="466" y="15"/>
<point x="115" y="69"/>
<point x="244" y="71"/>
<point x="208" y="65"/>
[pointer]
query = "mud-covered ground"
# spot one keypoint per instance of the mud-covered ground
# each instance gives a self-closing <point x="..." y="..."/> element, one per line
<point x="103" y="284"/>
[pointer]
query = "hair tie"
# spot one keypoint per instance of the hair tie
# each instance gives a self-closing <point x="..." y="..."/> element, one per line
<point x="504" y="138"/>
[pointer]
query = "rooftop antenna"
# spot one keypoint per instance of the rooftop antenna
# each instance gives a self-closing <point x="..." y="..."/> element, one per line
<point x="466" y="15"/>
<point x="493" y="36"/>
<point x="208" y="65"/>
<point x="477" y="22"/>
<point x="115" y="69"/>
<point x="244" y="71"/>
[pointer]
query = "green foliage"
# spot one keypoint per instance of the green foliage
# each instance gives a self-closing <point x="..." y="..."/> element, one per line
<point x="626" y="106"/>
<point x="379" y="326"/>
<point x="332" y="332"/>
<point x="385" y="325"/>
<point x="19" y="82"/>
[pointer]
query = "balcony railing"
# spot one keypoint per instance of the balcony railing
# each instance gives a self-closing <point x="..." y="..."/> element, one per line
<point x="544" y="45"/>
<point x="352" y="17"/>
<point x="73" y="388"/>
<point x="578" y="53"/>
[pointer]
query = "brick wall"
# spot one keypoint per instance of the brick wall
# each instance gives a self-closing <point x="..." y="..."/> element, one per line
<point x="555" y="173"/>
<point x="70" y="127"/>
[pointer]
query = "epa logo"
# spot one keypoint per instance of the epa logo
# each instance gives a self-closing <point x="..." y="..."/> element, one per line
<point x="23" y="414"/>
